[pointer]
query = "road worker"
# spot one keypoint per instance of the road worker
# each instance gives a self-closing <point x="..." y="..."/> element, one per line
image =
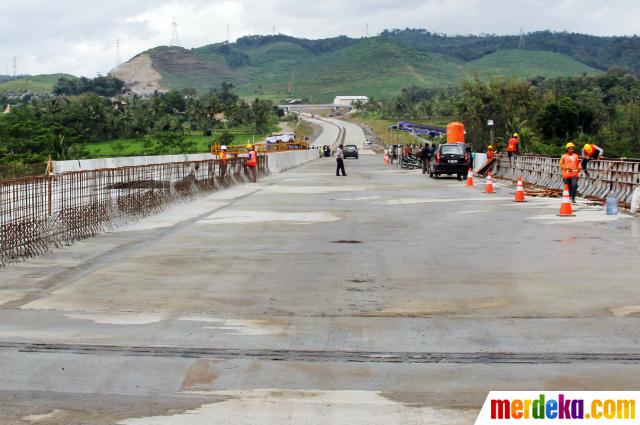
<point x="252" y="162"/>
<point x="570" y="165"/>
<point x="590" y="152"/>
<point x="224" y="161"/>
<point x="513" y="146"/>
<point x="491" y="155"/>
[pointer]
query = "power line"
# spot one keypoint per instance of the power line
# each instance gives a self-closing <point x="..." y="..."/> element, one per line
<point x="15" y="66"/>
<point x="175" y="41"/>
<point x="366" y="30"/>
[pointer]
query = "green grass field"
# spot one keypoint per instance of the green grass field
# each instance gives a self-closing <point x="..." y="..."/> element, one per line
<point x="149" y="146"/>
<point x="36" y="83"/>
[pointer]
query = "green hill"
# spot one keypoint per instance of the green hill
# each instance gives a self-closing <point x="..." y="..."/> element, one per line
<point x="35" y="83"/>
<point x="280" y="66"/>
<point x="527" y="64"/>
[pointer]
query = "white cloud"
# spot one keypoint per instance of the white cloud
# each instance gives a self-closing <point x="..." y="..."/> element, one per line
<point x="79" y="37"/>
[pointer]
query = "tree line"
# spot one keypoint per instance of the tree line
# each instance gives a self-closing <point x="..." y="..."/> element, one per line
<point x="57" y="125"/>
<point x="546" y="112"/>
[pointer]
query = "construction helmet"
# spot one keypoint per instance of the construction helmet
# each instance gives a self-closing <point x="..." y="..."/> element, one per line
<point x="490" y="147"/>
<point x="515" y="135"/>
<point x="249" y="146"/>
<point x="588" y="148"/>
<point x="223" y="148"/>
<point x="570" y="145"/>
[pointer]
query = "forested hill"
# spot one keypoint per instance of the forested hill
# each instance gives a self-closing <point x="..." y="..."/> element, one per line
<point x="599" y="52"/>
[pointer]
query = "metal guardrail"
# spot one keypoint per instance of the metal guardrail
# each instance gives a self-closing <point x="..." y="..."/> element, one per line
<point x="622" y="176"/>
<point x="38" y="213"/>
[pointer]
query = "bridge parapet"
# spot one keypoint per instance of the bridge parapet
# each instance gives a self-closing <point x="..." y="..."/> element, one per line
<point x="623" y="176"/>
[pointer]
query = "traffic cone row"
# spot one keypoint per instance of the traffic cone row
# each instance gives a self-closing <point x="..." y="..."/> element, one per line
<point x="566" y="210"/>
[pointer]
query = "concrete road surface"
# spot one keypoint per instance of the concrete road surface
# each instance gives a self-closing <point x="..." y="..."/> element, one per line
<point x="383" y="297"/>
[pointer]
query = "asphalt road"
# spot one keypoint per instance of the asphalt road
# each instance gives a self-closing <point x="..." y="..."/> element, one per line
<point x="383" y="297"/>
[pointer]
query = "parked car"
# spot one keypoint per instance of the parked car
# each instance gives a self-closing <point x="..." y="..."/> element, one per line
<point x="351" y="151"/>
<point x="450" y="159"/>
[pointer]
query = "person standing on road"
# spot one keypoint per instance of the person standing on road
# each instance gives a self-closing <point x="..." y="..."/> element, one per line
<point x="570" y="165"/>
<point x="425" y="157"/>
<point x="224" y="161"/>
<point x="590" y="152"/>
<point x="252" y="162"/>
<point x="340" y="161"/>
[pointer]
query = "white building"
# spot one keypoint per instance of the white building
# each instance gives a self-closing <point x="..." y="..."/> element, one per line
<point x="348" y="101"/>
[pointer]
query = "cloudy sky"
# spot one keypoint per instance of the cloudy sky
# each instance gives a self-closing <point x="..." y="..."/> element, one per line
<point x="80" y="36"/>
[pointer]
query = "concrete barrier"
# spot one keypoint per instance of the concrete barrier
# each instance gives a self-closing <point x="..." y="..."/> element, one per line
<point x="282" y="161"/>
<point x="278" y="161"/>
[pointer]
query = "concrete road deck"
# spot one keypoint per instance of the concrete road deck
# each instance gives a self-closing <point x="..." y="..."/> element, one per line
<point x="383" y="297"/>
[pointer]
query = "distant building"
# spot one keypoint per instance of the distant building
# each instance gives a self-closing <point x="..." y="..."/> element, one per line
<point x="348" y="101"/>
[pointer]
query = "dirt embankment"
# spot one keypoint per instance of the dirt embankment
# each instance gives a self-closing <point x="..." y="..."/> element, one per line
<point x="139" y="75"/>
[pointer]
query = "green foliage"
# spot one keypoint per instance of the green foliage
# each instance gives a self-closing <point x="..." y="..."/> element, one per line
<point x="74" y="127"/>
<point x="103" y="86"/>
<point x="226" y="138"/>
<point x="602" y="109"/>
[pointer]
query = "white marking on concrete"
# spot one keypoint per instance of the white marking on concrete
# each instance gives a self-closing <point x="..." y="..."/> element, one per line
<point x="8" y="295"/>
<point x="626" y="310"/>
<point x="119" y="318"/>
<point x="361" y="198"/>
<point x="306" y="190"/>
<point x="282" y="407"/>
<point x="582" y="216"/>
<point x="235" y="217"/>
<point x="474" y="212"/>
<point x="240" y="327"/>
<point x="408" y="201"/>
<point x="37" y="418"/>
<point x="173" y="216"/>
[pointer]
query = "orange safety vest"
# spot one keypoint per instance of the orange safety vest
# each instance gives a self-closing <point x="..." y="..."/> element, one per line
<point x="491" y="155"/>
<point x="513" y="145"/>
<point x="593" y="152"/>
<point x="252" y="161"/>
<point x="223" y="156"/>
<point x="571" y="161"/>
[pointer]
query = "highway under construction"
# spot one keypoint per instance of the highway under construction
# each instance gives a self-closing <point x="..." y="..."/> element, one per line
<point x="382" y="297"/>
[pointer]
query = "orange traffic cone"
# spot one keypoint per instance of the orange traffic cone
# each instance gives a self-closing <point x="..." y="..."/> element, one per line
<point x="520" y="191"/>
<point x="470" y="178"/>
<point x="386" y="158"/>
<point x="565" y="208"/>
<point x="488" y="188"/>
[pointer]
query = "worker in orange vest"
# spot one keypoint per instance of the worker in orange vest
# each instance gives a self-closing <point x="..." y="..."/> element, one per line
<point x="590" y="152"/>
<point x="491" y="155"/>
<point x="252" y="162"/>
<point x="570" y="165"/>
<point x="224" y="161"/>
<point x="512" y="146"/>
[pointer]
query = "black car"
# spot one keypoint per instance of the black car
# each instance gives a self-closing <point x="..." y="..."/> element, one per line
<point x="351" y="151"/>
<point x="450" y="159"/>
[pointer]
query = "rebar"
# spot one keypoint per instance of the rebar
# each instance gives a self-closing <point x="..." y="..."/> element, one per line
<point x="40" y="213"/>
